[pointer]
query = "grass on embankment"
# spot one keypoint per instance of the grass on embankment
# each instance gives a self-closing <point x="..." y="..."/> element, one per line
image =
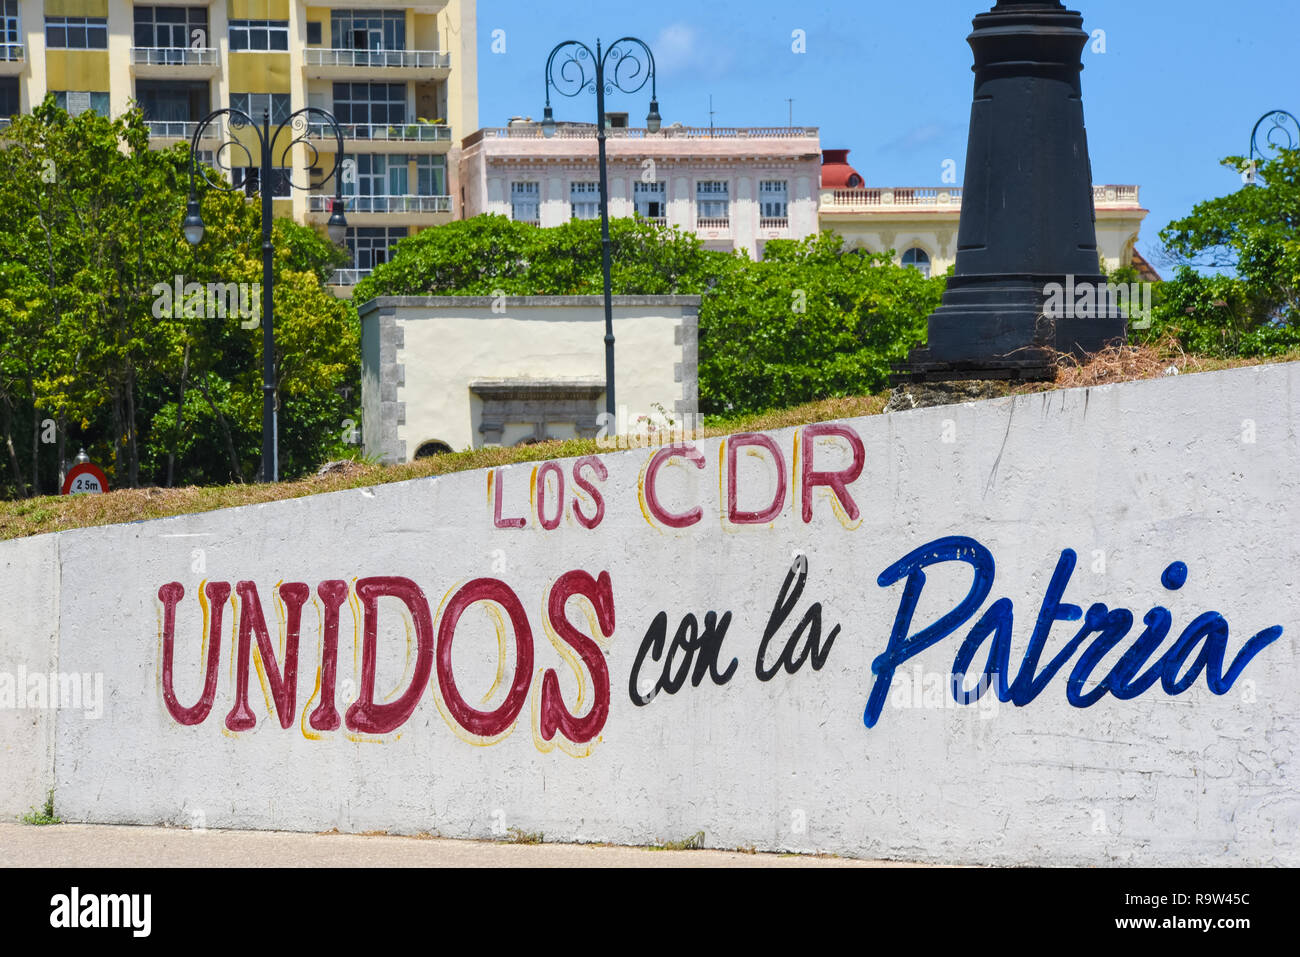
<point x="52" y="513"/>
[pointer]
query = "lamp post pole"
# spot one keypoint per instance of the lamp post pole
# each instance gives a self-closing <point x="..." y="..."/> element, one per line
<point x="300" y="130"/>
<point x="566" y="73"/>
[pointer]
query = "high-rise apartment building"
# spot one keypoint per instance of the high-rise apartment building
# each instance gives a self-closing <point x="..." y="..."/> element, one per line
<point x="400" y="78"/>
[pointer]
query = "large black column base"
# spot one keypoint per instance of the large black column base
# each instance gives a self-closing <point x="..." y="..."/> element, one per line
<point x="998" y="327"/>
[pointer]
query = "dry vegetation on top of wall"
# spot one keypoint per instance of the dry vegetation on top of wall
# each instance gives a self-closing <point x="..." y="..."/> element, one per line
<point x="53" y="513"/>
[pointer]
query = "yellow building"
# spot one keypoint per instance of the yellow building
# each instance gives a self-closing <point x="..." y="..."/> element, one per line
<point x="400" y="79"/>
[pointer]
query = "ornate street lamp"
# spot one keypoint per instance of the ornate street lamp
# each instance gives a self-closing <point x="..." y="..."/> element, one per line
<point x="1283" y="133"/>
<point x="299" y="130"/>
<point x="566" y="71"/>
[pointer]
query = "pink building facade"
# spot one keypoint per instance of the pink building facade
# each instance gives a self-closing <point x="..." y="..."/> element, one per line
<point x="736" y="188"/>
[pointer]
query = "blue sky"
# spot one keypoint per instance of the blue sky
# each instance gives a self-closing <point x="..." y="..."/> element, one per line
<point x="1179" y="86"/>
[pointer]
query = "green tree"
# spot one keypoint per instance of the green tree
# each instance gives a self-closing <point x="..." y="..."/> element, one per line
<point x="807" y="322"/>
<point x="1250" y="304"/>
<point x="810" y="321"/>
<point x="90" y="244"/>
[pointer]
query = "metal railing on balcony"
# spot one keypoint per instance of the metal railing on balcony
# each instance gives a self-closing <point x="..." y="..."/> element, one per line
<point x="176" y="129"/>
<point x="5" y="121"/>
<point x="348" y="277"/>
<point x="378" y="59"/>
<point x="397" y="132"/>
<point x="173" y="56"/>
<point x="382" y="204"/>
<point x="12" y="52"/>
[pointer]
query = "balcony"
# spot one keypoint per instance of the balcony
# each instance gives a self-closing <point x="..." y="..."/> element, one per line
<point x="383" y="210"/>
<point x="177" y="129"/>
<point x="904" y="199"/>
<point x="348" y="277"/>
<point x="382" y="204"/>
<point x="1117" y="197"/>
<point x="774" y="222"/>
<point x="711" y="223"/>
<point x="175" y="62"/>
<point x="13" y="57"/>
<point x="587" y="131"/>
<point x="381" y="138"/>
<point x="892" y="199"/>
<point x="385" y="65"/>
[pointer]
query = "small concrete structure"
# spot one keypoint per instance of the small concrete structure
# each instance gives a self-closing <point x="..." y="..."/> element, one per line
<point x="457" y="372"/>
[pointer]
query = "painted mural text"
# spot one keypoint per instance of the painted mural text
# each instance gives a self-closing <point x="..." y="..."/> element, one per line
<point x="433" y="656"/>
<point x="786" y="480"/>
<point x="1201" y="648"/>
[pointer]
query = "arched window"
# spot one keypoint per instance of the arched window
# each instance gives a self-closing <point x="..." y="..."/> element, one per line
<point x="855" y="181"/>
<point x="919" y="260"/>
<point x="431" y="448"/>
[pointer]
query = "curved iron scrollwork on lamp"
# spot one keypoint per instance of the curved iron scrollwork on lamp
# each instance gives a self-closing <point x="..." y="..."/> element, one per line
<point x="627" y="66"/>
<point x="1280" y="131"/>
<point x="302" y="131"/>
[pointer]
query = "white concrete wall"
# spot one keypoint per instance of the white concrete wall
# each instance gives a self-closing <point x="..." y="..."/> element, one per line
<point x="1199" y="469"/>
<point x="445" y="349"/>
<point x="29" y="588"/>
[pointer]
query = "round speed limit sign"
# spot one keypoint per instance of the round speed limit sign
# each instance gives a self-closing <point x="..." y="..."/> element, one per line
<point x="85" y="479"/>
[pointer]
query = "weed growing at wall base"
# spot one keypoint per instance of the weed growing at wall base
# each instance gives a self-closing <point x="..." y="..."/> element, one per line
<point x="44" y="816"/>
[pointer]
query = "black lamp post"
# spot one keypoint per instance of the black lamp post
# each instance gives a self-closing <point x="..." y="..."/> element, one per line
<point x="1280" y="124"/>
<point x="1028" y="216"/>
<point x="566" y="71"/>
<point x="299" y="130"/>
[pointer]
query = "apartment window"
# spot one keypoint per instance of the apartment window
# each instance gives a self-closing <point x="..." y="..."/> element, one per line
<point x="651" y="200"/>
<point x="919" y="260"/>
<point x="171" y="28"/>
<point x="773" y="199"/>
<point x="255" y="104"/>
<point x="584" y="200"/>
<point x="378" y="174"/>
<point x="368" y="29"/>
<point x="79" y="102"/>
<point x="76" y="33"/>
<point x="711" y="198"/>
<point x="525" y="202"/>
<point x="11" y="37"/>
<point x="431" y="175"/>
<point x="370" y="104"/>
<point x="314" y="33"/>
<point x="249" y="177"/>
<point x="372" y="246"/>
<point x="259" y="35"/>
<point x="172" y="101"/>
<point x="8" y="96"/>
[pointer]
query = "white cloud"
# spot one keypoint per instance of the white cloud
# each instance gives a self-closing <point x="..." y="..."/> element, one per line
<point x="675" y="47"/>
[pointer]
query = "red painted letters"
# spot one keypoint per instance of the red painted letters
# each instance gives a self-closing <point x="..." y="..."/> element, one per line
<point x="554" y="715"/>
<point x="838" y="482"/>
